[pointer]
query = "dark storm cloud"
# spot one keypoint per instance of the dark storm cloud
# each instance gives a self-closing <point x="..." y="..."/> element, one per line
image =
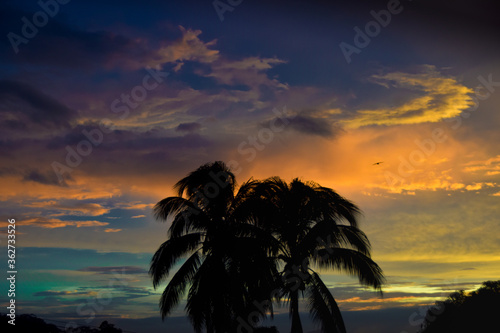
<point x="310" y="125"/>
<point x="60" y="44"/>
<point x="188" y="127"/>
<point x="115" y="140"/>
<point x="46" y="178"/>
<point x="23" y="104"/>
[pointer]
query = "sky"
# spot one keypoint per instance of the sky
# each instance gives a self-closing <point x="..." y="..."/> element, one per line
<point x="104" y="106"/>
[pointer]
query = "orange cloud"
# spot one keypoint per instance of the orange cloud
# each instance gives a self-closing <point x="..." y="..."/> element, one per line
<point x="136" y="205"/>
<point x="112" y="230"/>
<point x="188" y="48"/>
<point x="56" y="223"/>
<point x="489" y="167"/>
<point x="88" y="209"/>
<point x="378" y="300"/>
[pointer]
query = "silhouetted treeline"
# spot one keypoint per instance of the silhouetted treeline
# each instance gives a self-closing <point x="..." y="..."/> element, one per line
<point x="31" y="323"/>
<point x="476" y="311"/>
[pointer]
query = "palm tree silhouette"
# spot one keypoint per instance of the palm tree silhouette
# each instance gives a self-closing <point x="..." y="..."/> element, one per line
<point x="313" y="224"/>
<point x="226" y="269"/>
<point x="256" y="246"/>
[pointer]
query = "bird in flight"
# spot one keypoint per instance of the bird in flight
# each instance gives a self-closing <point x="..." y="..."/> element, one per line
<point x="377" y="163"/>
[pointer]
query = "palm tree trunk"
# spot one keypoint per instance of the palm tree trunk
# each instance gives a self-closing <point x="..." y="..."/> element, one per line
<point x="294" y="309"/>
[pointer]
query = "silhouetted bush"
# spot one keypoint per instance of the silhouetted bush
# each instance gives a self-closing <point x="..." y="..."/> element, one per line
<point x="31" y="323"/>
<point x="476" y="311"/>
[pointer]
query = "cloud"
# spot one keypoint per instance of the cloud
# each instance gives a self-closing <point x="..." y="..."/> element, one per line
<point x="188" y="127"/>
<point x="135" y="205"/>
<point x="138" y="216"/>
<point x="438" y="97"/>
<point x="22" y="106"/>
<point x="112" y="230"/>
<point x="51" y="223"/>
<point x="83" y="49"/>
<point x="488" y="167"/>
<point x="70" y="207"/>
<point x="479" y="186"/>
<point x="409" y="188"/>
<point x="114" y="270"/>
<point x="249" y="71"/>
<point x="45" y="178"/>
<point x="53" y="293"/>
<point x="81" y="208"/>
<point x="188" y="48"/>
<point x="312" y="126"/>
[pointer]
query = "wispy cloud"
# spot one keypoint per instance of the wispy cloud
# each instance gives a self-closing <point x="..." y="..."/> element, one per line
<point x="438" y="97"/>
<point x="112" y="230"/>
<point x="115" y="269"/>
<point x="25" y="110"/>
<point x="55" y="293"/>
<point x="82" y="208"/>
<point x="188" y="48"/>
<point x="488" y="167"/>
<point x="57" y="223"/>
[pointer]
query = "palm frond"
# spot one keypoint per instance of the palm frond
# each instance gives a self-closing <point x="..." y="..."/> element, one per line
<point x="169" y="252"/>
<point x="323" y="307"/>
<point x="172" y="206"/>
<point x="339" y="207"/>
<point x="177" y="285"/>
<point x="352" y="262"/>
<point x="184" y="223"/>
<point x="328" y="234"/>
<point x="216" y="172"/>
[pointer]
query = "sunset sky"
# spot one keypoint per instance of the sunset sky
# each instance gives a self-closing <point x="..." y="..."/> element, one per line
<point x="103" y="107"/>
